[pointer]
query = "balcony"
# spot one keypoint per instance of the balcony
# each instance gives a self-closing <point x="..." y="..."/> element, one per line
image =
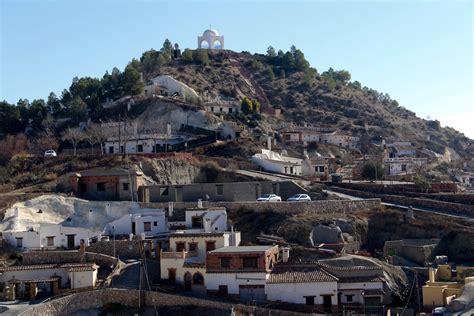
<point x="178" y="255"/>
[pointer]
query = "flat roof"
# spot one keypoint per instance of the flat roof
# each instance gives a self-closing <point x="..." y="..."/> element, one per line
<point x="236" y="249"/>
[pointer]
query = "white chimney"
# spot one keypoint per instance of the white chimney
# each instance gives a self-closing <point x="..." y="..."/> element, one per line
<point x="170" y="209"/>
<point x="142" y="235"/>
<point x="130" y="237"/>
<point x="285" y="254"/>
<point x="199" y="203"/>
<point x="168" y="129"/>
<point x="269" y="143"/>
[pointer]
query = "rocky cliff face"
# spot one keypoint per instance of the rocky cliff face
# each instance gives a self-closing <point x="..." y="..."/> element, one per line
<point x="171" y="171"/>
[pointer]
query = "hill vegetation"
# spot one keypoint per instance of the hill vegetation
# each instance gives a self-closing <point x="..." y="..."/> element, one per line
<point x="277" y="79"/>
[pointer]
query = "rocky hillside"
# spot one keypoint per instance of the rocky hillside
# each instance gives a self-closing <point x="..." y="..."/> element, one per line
<point x="316" y="99"/>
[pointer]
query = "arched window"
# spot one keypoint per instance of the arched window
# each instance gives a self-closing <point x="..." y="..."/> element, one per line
<point x="217" y="44"/>
<point x="204" y="44"/>
<point x="198" y="278"/>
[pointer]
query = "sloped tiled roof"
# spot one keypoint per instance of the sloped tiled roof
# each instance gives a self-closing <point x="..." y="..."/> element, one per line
<point x="299" y="273"/>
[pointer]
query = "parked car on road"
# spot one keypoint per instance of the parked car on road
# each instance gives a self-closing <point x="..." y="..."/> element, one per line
<point x="299" y="198"/>
<point x="269" y="198"/>
<point x="50" y="153"/>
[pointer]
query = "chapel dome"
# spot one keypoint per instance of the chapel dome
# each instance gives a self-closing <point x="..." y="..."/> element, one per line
<point x="210" y="32"/>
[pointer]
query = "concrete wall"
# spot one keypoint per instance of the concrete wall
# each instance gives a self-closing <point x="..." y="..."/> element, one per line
<point x="35" y="274"/>
<point x="95" y="299"/>
<point x="40" y="257"/>
<point x="123" y="248"/>
<point x="296" y="292"/>
<point x="319" y="206"/>
<point x="231" y="191"/>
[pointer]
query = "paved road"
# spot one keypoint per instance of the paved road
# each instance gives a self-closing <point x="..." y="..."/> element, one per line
<point x="269" y="176"/>
<point x="16" y="307"/>
<point x="416" y="209"/>
<point x="130" y="276"/>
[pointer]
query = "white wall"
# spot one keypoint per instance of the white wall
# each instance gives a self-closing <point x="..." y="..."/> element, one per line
<point x="233" y="280"/>
<point x="123" y="225"/>
<point x="83" y="278"/>
<point x="296" y="292"/>
<point x="356" y="289"/>
<point x="36" y="274"/>
<point x="213" y="220"/>
<point x="276" y="166"/>
<point x="31" y="239"/>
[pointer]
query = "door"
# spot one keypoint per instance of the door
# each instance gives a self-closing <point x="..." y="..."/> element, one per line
<point x="252" y="294"/>
<point x="179" y="194"/>
<point x="71" y="241"/>
<point x="309" y="300"/>
<point x="223" y="290"/>
<point x="327" y="304"/>
<point x="188" y="281"/>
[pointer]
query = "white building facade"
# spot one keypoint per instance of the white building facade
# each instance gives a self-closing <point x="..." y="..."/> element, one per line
<point x="274" y="162"/>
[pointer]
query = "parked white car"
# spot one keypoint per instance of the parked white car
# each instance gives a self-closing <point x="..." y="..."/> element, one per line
<point x="50" y="153"/>
<point x="299" y="198"/>
<point x="269" y="198"/>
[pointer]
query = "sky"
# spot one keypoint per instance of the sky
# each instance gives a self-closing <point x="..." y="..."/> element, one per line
<point x="419" y="52"/>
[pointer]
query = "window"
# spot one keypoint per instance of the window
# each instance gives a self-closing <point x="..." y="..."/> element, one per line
<point x="50" y="241"/>
<point x="180" y="246"/>
<point x="230" y="110"/>
<point x="321" y="168"/>
<point x="155" y="224"/>
<point x="140" y="148"/>
<point x="164" y="191"/>
<point x="196" y="222"/>
<point x="223" y="290"/>
<point x="111" y="149"/>
<point x="210" y="245"/>
<point x="147" y="226"/>
<point x="250" y="262"/>
<point x="404" y="167"/>
<point x="19" y="242"/>
<point x="83" y="187"/>
<point x="225" y="262"/>
<point x="221" y="110"/>
<point x="198" y="278"/>
<point x="350" y="298"/>
<point x="125" y="186"/>
<point x="309" y="300"/>
<point x="220" y="189"/>
<point x="121" y="149"/>
<point x="101" y="186"/>
<point x="193" y="246"/>
<point x="212" y="109"/>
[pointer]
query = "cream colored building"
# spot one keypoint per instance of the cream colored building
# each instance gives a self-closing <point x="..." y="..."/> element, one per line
<point x="185" y="260"/>
<point x="445" y="284"/>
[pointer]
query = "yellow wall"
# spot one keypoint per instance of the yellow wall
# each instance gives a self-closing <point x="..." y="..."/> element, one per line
<point x="433" y="295"/>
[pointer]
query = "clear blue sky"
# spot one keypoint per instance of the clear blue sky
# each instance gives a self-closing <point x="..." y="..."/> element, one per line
<point x="420" y="52"/>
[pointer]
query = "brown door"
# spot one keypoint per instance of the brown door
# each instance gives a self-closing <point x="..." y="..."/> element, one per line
<point x="71" y="241"/>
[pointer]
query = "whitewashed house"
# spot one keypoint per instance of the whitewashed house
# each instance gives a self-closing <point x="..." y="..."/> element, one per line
<point x="278" y="163"/>
<point x="300" y="283"/>
<point x="25" y="281"/>
<point x="142" y="143"/>
<point x="404" y="166"/>
<point x="48" y="236"/>
<point x="219" y="105"/>
<point x="148" y="222"/>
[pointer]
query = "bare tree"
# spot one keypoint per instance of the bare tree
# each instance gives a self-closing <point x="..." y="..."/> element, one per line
<point x="454" y="170"/>
<point x="74" y="136"/>
<point x="95" y="134"/>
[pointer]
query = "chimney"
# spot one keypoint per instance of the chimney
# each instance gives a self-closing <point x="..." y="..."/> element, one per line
<point x="82" y="246"/>
<point x="16" y="212"/>
<point x="130" y="237"/>
<point x="199" y="203"/>
<point x="170" y="209"/>
<point x="285" y="254"/>
<point x="431" y="275"/>
<point x="168" y="129"/>
<point x="269" y="143"/>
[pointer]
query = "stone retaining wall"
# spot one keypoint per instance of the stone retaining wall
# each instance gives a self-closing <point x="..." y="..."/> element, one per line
<point x="123" y="248"/>
<point x="98" y="298"/>
<point x="45" y="257"/>
<point x="320" y="206"/>
<point x="451" y="208"/>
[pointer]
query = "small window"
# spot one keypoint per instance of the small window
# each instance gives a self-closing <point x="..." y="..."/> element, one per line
<point x="309" y="300"/>
<point x="321" y="169"/>
<point x="212" y="109"/>
<point x="111" y="149"/>
<point x="180" y="246"/>
<point x="210" y="245"/>
<point x="50" y="241"/>
<point x="125" y="186"/>
<point x="350" y="298"/>
<point x="193" y="246"/>
<point x="225" y="262"/>
<point x="251" y="262"/>
<point x="140" y="148"/>
<point x="220" y="189"/>
<point x="404" y="167"/>
<point x="221" y="110"/>
<point x="230" y="110"/>
<point x="196" y="222"/>
<point x="155" y="224"/>
<point x="164" y="191"/>
<point x="223" y="290"/>
<point x="172" y="274"/>
<point x="19" y="242"/>
<point x="83" y="187"/>
<point x="101" y="186"/>
<point x="121" y="149"/>
<point x="147" y="226"/>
